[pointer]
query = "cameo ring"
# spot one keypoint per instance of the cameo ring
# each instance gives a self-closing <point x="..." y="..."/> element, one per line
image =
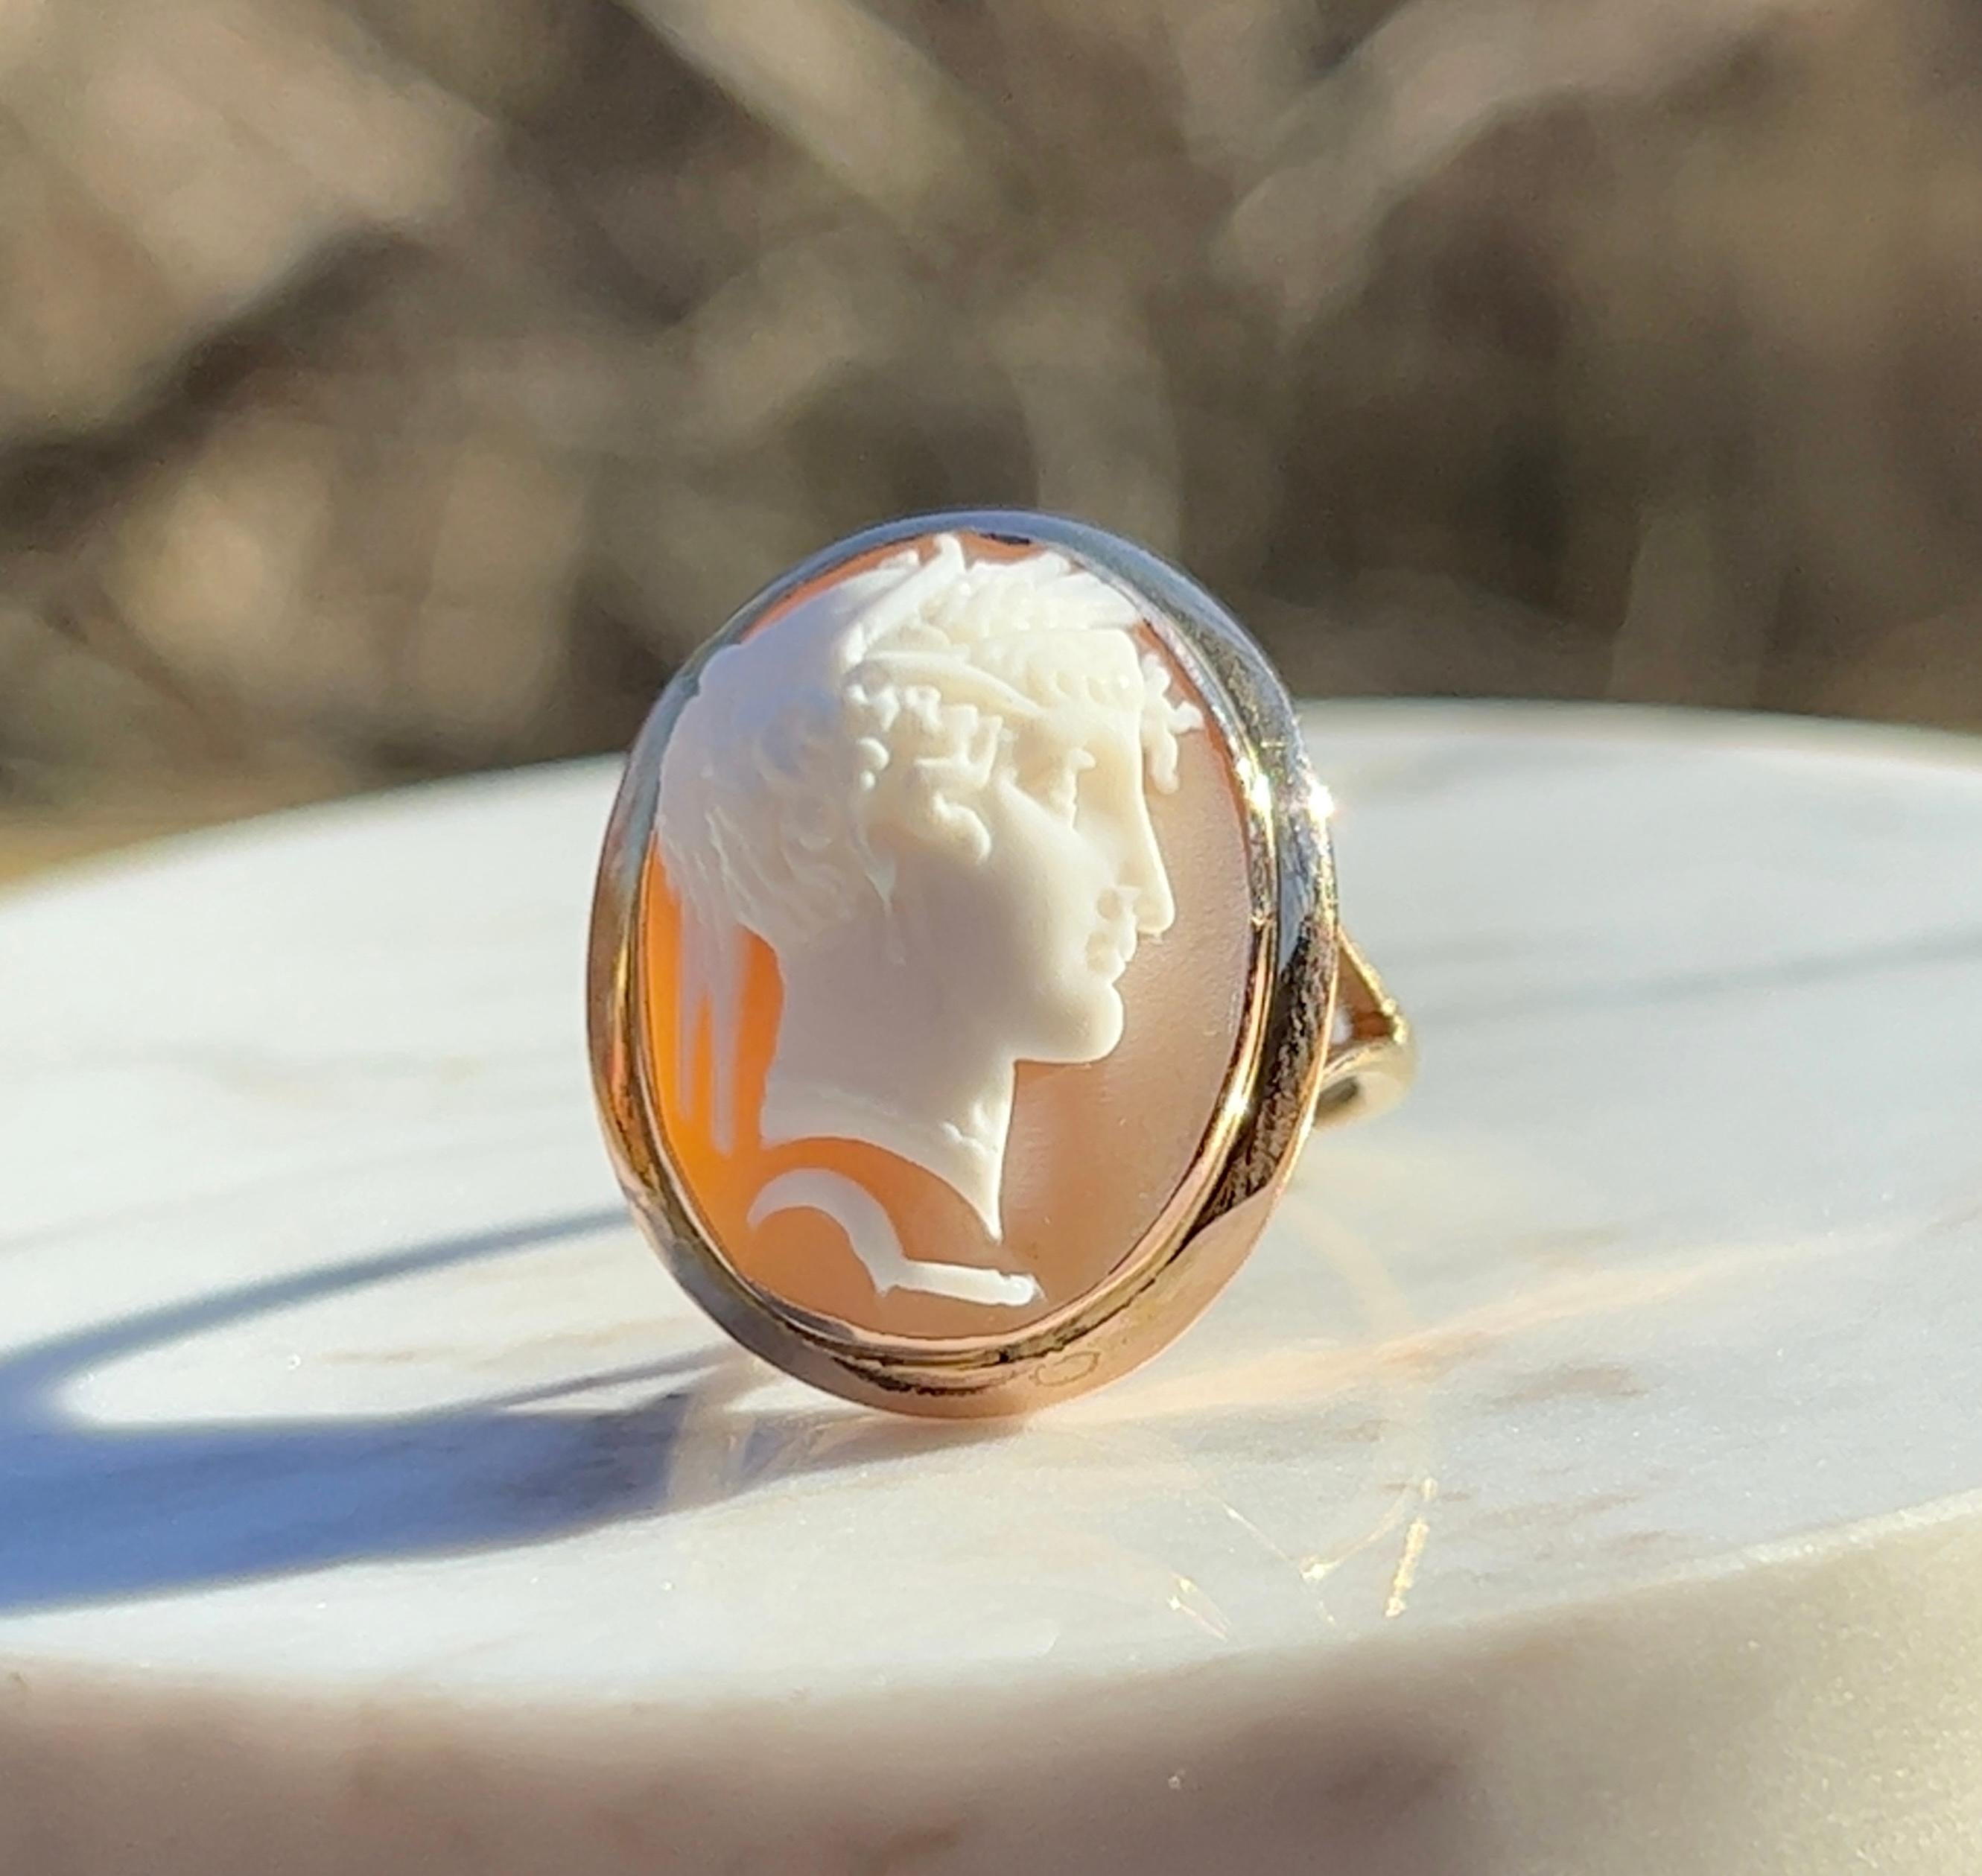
<point x="965" y="971"/>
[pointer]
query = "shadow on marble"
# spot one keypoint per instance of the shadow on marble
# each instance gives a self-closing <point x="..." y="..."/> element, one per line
<point x="92" y="1511"/>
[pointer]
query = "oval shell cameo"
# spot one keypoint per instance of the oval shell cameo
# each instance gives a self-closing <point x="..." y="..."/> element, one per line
<point x="936" y="937"/>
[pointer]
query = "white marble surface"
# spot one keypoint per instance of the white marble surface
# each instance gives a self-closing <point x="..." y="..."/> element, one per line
<point x="1581" y="1478"/>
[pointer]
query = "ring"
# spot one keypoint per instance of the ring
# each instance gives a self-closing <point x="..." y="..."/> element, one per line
<point x="965" y="970"/>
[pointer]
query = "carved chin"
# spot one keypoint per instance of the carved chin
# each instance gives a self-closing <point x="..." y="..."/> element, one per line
<point x="1102" y="1021"/>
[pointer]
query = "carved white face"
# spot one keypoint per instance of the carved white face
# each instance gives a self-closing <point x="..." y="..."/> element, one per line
<point x="1081" y="883"/>
<point x="925" y="789"/>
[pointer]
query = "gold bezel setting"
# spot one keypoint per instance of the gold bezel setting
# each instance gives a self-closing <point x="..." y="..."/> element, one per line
<point x="1314" y="1017"/>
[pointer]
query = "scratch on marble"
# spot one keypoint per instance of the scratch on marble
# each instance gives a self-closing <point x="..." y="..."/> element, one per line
<point x="1416" y="1537"/>
<point x="1316" y="1570"/>
<point x="1305" y="1570"/>
<point x="1189" y="1600"/>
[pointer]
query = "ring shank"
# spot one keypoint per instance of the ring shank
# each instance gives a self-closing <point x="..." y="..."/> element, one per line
<point x="1372" y="1054"/>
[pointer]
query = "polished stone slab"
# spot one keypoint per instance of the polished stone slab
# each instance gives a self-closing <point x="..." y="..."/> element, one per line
<point x="1581" y="1476"/>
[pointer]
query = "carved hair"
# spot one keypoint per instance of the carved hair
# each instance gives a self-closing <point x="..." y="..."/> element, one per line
<point x="894" y="700"/>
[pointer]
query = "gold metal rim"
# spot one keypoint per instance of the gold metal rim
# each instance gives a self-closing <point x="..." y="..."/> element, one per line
<point x="1318" y="1029"/>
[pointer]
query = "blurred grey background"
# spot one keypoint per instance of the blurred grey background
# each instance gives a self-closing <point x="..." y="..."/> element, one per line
<point x="393" y="387"/>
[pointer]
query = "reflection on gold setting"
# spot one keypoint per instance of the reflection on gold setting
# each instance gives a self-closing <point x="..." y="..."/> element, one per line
<point x="1255" y="785"/>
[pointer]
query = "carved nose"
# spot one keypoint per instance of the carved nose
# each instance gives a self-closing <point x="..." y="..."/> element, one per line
<point x="1145" y="887"/>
